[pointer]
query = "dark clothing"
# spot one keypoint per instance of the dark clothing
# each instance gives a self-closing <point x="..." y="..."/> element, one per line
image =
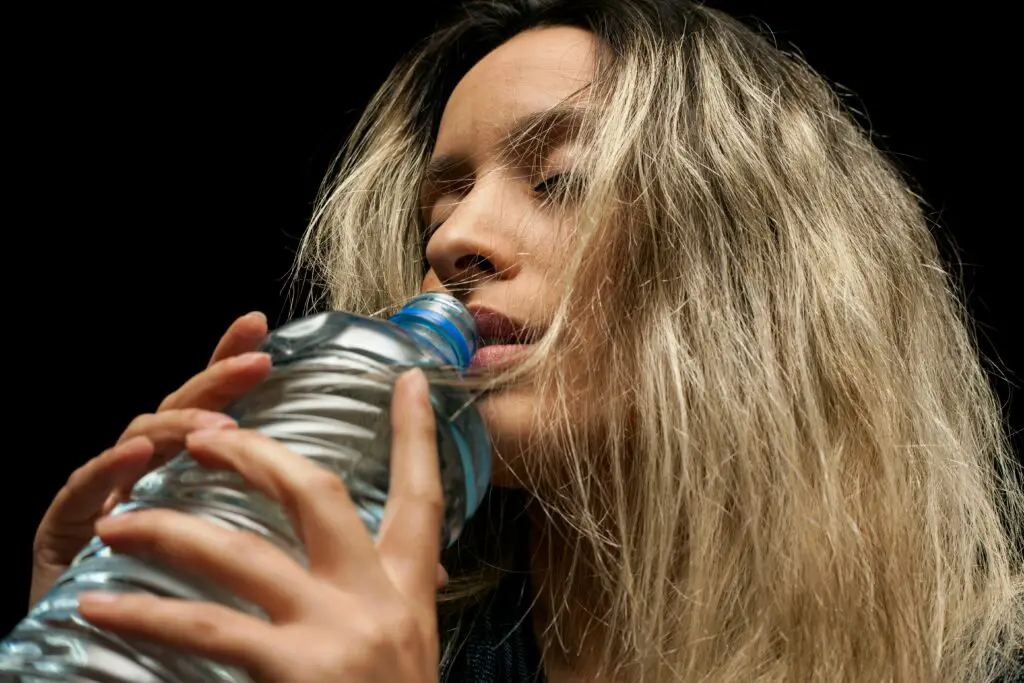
<point x="500" y="646"/>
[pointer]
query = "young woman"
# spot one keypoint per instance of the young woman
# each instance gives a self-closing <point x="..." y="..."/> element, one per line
<point x="741" y="430"/>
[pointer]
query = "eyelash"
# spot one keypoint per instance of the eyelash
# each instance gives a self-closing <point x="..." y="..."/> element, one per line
<point x="544" y="187"/>
<point x="553" y="188"/>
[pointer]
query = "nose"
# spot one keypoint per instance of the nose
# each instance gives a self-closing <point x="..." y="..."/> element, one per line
<point x="473" y="246"/>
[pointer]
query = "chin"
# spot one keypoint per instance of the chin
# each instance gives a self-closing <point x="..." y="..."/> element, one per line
<point x="508" y="416"/>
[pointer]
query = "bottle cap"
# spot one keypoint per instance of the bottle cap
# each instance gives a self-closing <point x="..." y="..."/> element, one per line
<point x="441" y="322"/>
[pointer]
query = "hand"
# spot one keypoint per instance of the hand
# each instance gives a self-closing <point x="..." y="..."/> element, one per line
<point x="362" y="612"/>
<point x="100" y="484"/>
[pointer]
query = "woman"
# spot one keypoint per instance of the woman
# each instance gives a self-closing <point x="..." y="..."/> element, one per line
<point x="745" y="435"/>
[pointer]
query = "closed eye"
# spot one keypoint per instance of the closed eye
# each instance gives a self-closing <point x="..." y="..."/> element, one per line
<point x="565" y="188"/>
<point x="549" y="185"/>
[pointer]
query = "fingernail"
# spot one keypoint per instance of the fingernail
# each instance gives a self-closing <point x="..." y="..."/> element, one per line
<point x="110" y="523"/>
<point x="98" y="598"/>
<point x="247" y="359"/>
<point x="442" y="576"/>
<point x="133" y="443"/>
<point x="416" y="383"/>
<point x="256" y="315"/>
<point x="215" y="421"/>
<point x="202" y="435"/>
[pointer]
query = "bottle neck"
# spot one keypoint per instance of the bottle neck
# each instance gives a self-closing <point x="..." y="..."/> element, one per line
<point x="443" y="326"/>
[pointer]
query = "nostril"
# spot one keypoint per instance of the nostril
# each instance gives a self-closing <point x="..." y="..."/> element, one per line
<point x="475" y="262"/>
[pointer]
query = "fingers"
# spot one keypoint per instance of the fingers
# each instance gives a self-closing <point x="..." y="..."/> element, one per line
<point x="187" y="409"/>
<point x="82" y="497"/>
<point x="244" y="335"/>
<point x="220" y="384"/>
<point x="205" y="628"/>
<point x="167" y="429"/>
<point x="81" y="500"/>
<point x="250" y="566"/>
<point x="106" y="479"/>
<point x="325" y="517"/>
<point x="324" y="514"/>
<point x="235" y="370"/>
<point x="409" y="542"/>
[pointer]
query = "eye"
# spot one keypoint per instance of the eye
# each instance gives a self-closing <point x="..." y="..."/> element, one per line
<point x="550" y="185"/>
<point x="564" y="188"/>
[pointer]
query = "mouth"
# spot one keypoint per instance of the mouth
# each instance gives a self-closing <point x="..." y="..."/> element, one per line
<point x="496" y="357"/>
<point x="502" y="338"/>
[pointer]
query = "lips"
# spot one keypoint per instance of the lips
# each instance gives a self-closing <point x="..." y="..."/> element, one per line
<point x="501" y="338"/>
<point x="496" y="357"/>
<point x="496" y="328"/>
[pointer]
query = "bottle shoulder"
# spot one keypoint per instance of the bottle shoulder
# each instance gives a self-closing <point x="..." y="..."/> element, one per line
<point x="336" y="331"/>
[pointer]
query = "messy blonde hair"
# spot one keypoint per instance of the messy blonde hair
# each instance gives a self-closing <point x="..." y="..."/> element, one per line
<point x="797" y="470"/>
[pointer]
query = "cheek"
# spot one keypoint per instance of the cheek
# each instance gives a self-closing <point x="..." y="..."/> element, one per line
<point x="430" y="283"/>
<point x="521" y="423"/>
<point x="509" y="418"/>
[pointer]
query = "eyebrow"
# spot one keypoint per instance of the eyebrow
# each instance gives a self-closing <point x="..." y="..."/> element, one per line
<point x="529" y="136"/>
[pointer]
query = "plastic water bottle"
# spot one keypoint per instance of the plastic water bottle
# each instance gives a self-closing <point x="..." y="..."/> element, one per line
<point x="328" y="398"/>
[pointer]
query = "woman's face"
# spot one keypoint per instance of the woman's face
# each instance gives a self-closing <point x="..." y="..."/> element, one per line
<point x="496" y="235"/>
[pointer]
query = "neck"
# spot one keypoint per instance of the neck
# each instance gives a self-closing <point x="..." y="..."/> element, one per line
<point x="564" y="607"/>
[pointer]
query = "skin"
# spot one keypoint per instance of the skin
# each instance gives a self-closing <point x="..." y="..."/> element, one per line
<point x="501" y="214"/>
<point x="502" y="217"/>
<point x="364" y="611"/>
<point x="93" y="489"/>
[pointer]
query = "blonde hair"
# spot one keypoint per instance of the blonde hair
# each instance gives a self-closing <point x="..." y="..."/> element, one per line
<point x="798" y="470"/>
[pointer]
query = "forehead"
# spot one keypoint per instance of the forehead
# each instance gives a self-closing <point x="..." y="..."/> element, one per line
<point x="534" y="71"/>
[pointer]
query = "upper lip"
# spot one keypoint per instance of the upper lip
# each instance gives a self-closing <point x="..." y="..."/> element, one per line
<point x="494" y="325"/>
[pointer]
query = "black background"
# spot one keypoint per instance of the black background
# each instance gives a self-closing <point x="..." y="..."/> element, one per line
<point x="162" y="168"/>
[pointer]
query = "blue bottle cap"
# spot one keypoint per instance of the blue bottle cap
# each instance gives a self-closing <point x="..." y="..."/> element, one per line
<point x="442" y="323"/>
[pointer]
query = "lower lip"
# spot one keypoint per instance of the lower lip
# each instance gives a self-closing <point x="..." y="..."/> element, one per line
<point x="492" y="357"/>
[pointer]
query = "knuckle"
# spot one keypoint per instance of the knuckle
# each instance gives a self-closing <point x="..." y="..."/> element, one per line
<point x="424" y="495"/>
<point x="239" y="543"/>
<point x="392" y="634"/>
<point x="324" y="662"/>
<point x="395" y="631"/>
<point x="206" y="627"/>
<point x="156" y="543"/>
<point x="321" y="482"/>
<point x="115" y="497"/>
<point x="81" y="478"/>
<point x="250" y="438"/>
<point x="189" y="415"/>
<point x="169" y="402"/>
<point x="405" y="633"/>
<point x="421" y="428"/>
<point x="139" y="424"/>
<point x="153" y="530"/>
<point x="44" y="552"/>
<point x="427" y="432"/>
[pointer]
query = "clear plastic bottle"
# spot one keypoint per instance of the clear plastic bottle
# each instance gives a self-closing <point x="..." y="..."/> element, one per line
<point x="328" y="398"/>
